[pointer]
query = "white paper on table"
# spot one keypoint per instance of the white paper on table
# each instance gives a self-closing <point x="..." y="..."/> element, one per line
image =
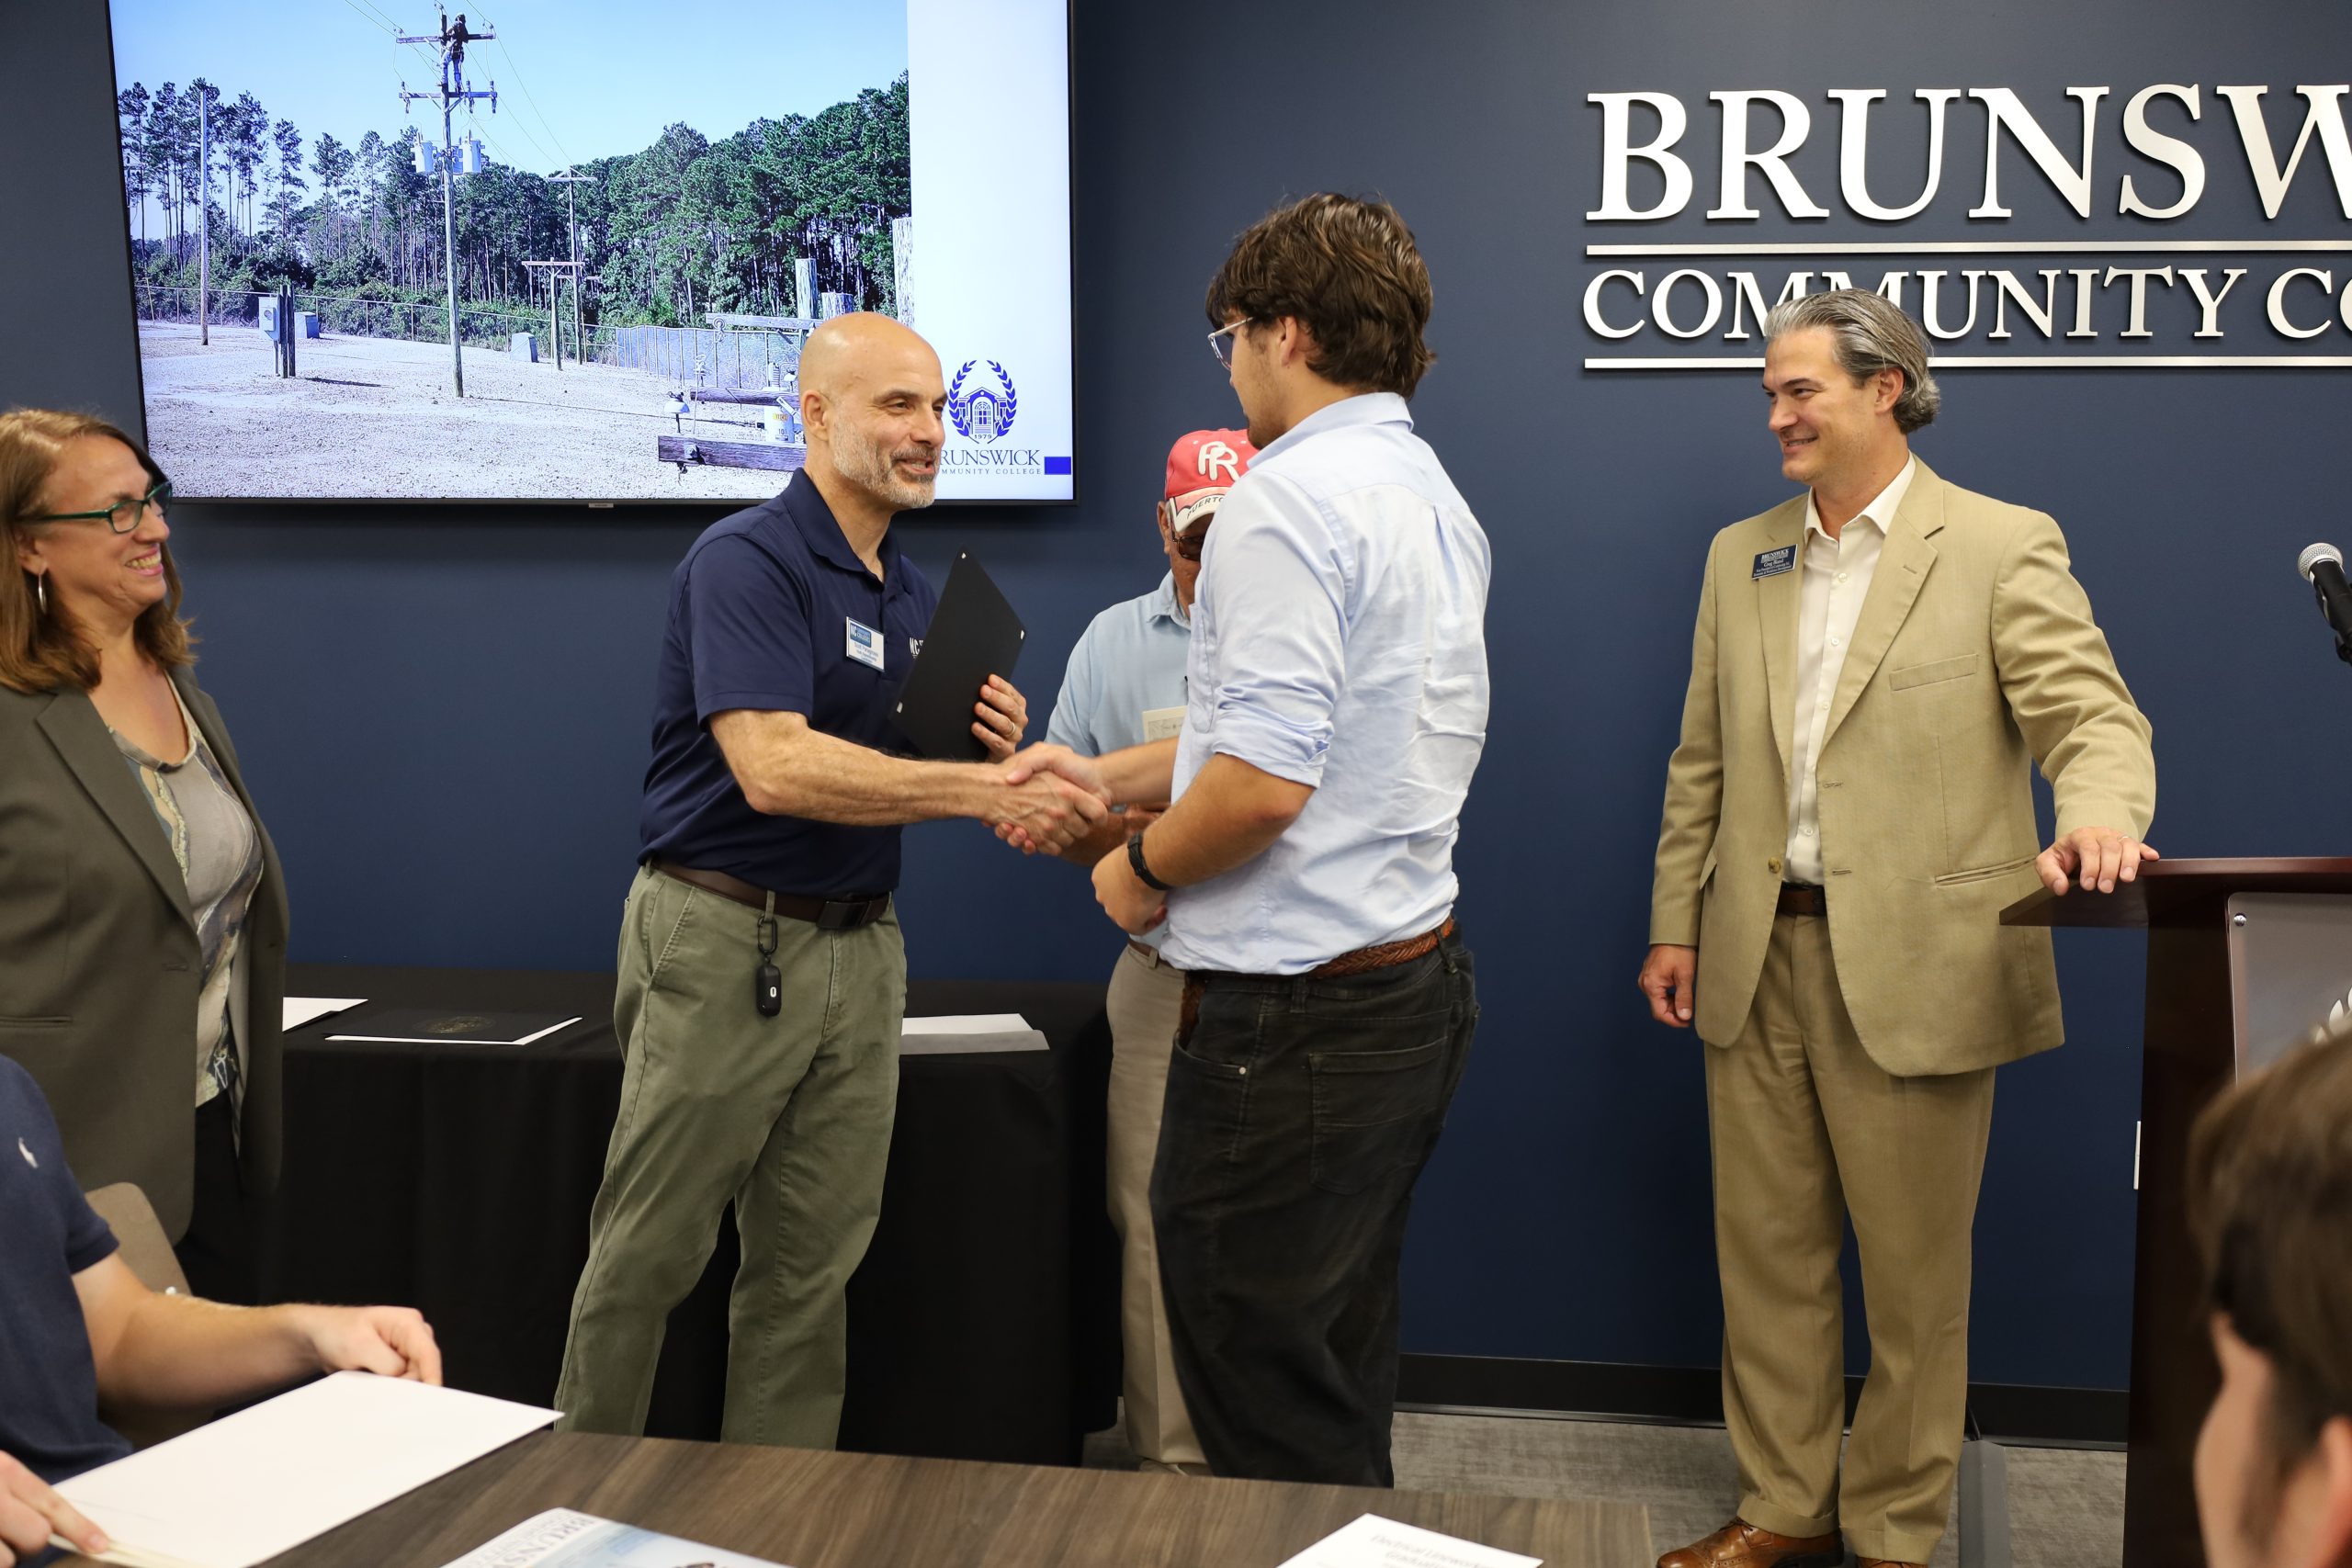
<point x="531" y="1039"/>
<point x="565" y="1537"/>
<point x="965" y="1023"/>
<point x="977" y="1033"/>
<point x="301" y="1011"/>
<point x="1374" y="1542"/>
<point x="268" y="1478"/>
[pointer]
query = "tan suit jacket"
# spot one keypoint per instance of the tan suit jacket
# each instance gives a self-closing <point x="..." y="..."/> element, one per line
<point x="99" y="960"/>
<point x="1974" y="657"/>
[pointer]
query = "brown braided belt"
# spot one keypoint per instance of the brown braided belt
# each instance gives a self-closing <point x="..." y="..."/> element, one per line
<point x="1362" y="960"/>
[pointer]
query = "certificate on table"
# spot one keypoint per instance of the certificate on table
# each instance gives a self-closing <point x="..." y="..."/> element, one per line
<point x="268" y="1478"/>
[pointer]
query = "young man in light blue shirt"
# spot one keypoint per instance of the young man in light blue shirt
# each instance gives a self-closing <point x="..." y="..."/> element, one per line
<point x="1125" y="687"/>
<point x="1335" y="712"/>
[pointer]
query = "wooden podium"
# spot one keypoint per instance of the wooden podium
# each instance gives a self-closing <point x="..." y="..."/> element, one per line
<point x="2245" y="957"/>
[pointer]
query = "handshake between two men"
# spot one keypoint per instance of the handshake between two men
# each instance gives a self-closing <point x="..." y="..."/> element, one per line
<point x="1232" y="812"/>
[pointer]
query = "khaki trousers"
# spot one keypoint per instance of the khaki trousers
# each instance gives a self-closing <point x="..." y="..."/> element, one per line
<point x="788" y="1118"/>
<point x="1145" y="998"/>
<point x="1807" y="1130"/>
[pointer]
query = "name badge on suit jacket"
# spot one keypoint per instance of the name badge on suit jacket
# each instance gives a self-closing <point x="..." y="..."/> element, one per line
<point x="1771" y="563"/>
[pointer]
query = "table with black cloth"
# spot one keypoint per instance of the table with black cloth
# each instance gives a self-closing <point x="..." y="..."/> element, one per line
<point x="457" y="1180"/>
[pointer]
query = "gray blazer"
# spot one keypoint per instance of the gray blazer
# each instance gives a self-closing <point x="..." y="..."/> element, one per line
<point x="99" y="964"/>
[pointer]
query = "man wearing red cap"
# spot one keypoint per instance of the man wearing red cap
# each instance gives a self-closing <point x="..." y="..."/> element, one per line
<point x="1125" y="686"/>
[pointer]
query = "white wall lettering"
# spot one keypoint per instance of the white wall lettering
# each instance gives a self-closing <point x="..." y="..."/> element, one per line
<point x="2008" y="110"/>
<point x="1618" y="153"/>
<point x="2171" y="151"/>
<point x="1796" y="123"/>
<point x="2325" y="116"/>
<point x="1853" y="149"/>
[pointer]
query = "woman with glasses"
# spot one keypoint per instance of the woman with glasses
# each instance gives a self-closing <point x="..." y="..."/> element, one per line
<point x="143" y="913"/>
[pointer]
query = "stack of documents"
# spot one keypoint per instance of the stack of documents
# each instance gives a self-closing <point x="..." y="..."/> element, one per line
<point x="967" y="1033"/>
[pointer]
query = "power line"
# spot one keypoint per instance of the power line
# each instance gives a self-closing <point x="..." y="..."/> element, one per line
<point x="394" y="27"/>
<point x="545" y="124"/>
<point x="370" y="20"/>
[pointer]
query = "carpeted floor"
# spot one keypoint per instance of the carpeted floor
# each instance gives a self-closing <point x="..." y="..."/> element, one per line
<point x="2065" y="1504"/>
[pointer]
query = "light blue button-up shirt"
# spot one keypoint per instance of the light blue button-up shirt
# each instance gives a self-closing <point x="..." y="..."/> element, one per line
<point x="1339" y="640"/>
<point x="1129" y="663"/>
<point x="1127" y="668"/>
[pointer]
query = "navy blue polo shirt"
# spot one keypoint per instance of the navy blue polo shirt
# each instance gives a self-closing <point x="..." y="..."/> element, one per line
<point x="762" y="614"/>
<point x="49" y="1386"/>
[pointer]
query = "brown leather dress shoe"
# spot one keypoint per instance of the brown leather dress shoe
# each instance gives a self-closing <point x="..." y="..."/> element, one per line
<point x="1741" y="1545"/>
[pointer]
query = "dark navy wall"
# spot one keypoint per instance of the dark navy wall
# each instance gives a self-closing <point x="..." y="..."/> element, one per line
<point x="443" y="711"/>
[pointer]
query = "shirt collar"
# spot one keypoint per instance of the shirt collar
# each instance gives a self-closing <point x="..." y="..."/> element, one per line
<point x="805" y="505"/>
<point x="1163" y="605"/>
<point x="1365" y="408"/>
<point x="1880" y="511"/>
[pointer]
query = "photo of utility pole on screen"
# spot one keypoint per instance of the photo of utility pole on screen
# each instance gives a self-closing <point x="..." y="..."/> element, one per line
<point x="384" y="249"/>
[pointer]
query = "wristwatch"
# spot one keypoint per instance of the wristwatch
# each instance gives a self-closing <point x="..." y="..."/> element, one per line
<point x="1134" y="862"/>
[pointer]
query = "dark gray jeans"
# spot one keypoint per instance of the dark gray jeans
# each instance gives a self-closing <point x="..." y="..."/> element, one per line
<point x="1299" y="1114"/>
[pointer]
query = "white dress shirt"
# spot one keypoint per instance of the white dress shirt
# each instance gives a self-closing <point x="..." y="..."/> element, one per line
<point x="1339" y="641"/>
<point x="1837" y="581"/>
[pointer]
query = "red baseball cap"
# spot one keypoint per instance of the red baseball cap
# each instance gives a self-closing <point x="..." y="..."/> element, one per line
<point x="1201" y="467"/>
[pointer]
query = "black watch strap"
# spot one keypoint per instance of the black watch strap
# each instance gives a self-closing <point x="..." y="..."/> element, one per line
<point x="1134" y="860"/>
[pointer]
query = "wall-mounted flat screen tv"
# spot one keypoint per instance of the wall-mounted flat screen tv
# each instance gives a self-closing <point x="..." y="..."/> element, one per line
<point x="569" y="250"/>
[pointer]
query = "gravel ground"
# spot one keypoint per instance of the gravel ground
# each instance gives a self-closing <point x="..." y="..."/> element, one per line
<point x="375" y="417"/>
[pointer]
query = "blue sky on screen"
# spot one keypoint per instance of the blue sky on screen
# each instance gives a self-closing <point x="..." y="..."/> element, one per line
<point x="577" y="79"/>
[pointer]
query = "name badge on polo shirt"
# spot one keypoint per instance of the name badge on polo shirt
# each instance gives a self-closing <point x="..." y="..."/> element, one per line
<point x="865" y="644"/>
<point x="1162" y="724"/>
<point x="1771" y="563"/>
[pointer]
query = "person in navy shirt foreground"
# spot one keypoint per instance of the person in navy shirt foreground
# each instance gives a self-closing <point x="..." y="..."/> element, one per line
<point x="77" y="1326"/>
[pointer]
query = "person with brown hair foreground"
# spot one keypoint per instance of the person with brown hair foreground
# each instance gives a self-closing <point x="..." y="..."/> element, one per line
<point x="2270" y="1184"/>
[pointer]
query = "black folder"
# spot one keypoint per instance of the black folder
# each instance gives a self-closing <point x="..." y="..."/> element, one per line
<point x="974" y="635"/>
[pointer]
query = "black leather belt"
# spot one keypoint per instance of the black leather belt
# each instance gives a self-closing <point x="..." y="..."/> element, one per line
<point x="825" y="914"/>
<point x="1804" y="898"/>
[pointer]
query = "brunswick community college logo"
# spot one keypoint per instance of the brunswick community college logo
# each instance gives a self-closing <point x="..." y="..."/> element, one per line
<point x="985" y="412"/>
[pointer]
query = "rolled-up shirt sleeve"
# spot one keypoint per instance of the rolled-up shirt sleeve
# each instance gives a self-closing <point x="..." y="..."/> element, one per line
<point x="1280" y="576"/>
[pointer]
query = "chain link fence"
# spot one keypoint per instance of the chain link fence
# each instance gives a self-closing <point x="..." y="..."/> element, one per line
<point x="695" y="359"/>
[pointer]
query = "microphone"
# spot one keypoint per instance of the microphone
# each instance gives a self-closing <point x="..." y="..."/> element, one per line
<point x="2323" y="567"/>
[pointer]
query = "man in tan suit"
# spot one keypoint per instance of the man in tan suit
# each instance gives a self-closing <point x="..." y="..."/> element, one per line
<point x="1878" y="661"/>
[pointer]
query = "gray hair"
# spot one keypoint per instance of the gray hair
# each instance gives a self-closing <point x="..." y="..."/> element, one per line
<point x="1872" y="334"/>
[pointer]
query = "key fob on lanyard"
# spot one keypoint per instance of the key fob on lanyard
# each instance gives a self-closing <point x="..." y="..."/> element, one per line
<point x="767" y="985"/>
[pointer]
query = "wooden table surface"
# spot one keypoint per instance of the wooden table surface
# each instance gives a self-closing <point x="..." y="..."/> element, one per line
<point x="810" y="1509"/>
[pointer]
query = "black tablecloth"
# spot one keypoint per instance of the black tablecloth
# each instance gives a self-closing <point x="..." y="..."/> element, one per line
<point x="984" y="1324"/>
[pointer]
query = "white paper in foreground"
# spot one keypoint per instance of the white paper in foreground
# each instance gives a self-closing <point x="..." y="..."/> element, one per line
<point x="565" y="1538"/>
<point x="1374" y="1542"/>
<point x="966" y="1023"/>
<point x="301" y="1011"/>
<point x="266" y="1479"/>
